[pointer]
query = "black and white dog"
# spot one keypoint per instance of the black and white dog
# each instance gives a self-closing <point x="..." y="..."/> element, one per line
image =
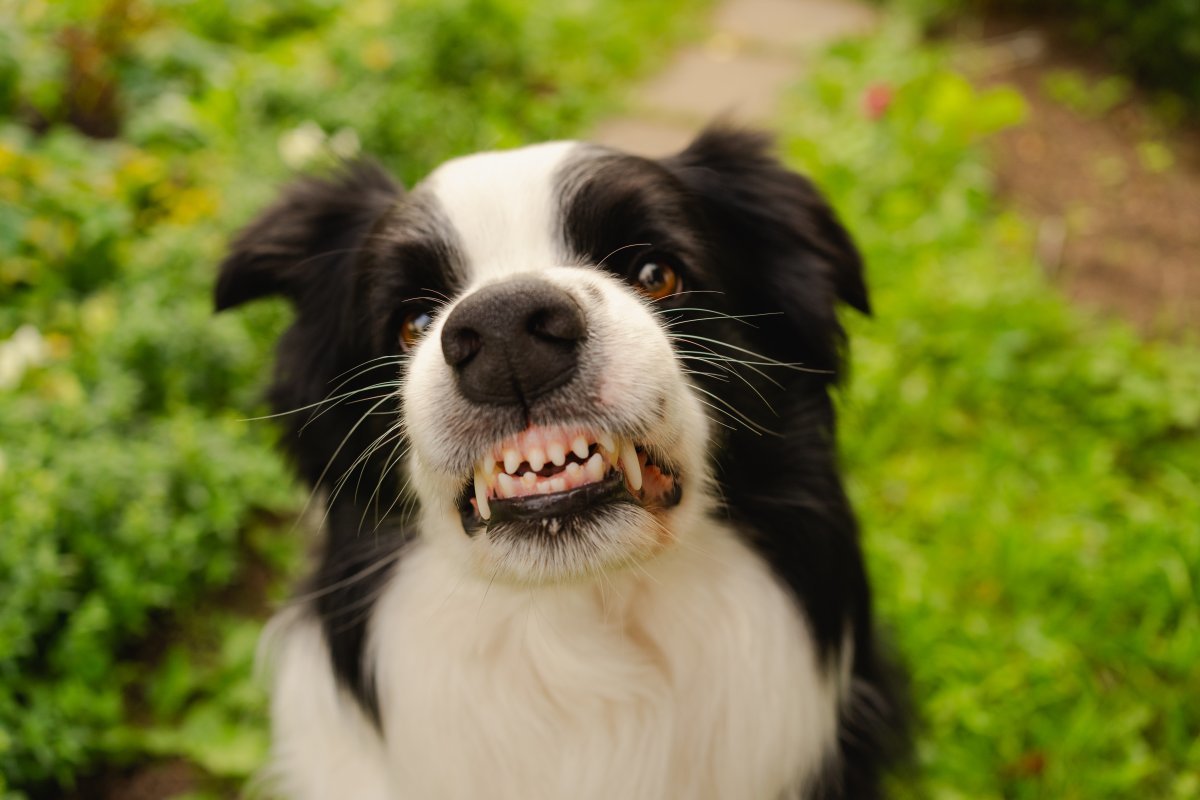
<point x="585" y="535"/>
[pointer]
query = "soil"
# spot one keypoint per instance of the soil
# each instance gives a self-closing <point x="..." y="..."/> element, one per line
<point x="1115" y="194"/>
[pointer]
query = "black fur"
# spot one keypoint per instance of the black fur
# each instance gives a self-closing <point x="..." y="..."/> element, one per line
<point x="309" y="247"/>
<point x="750" y="237"/>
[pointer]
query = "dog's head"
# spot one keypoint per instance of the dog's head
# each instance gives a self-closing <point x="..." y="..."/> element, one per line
<point x="571" y="354"/>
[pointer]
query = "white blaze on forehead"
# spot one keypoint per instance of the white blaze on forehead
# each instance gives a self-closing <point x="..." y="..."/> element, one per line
<point x="503" y="207"/>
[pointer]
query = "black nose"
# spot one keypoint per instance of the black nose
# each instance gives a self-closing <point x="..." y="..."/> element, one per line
<point x="514" y="341"/>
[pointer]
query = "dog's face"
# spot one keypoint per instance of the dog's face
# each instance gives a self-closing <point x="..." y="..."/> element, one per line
<point x="549" y="418"/>
<point x="574" y="333"/>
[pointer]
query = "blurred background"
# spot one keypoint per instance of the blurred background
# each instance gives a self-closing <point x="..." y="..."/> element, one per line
<point x="1021" y="432"/>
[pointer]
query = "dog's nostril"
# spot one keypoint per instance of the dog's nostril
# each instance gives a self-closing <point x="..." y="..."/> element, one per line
<point x="460" y="346"/>
<point x="556" y="324"/>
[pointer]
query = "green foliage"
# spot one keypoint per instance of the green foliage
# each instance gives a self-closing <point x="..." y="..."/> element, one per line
<point x="1028" y="477"/>
<point x="1156" y="41"/>
<point x="1090" y="98"/>
<point x="128" y="475"/>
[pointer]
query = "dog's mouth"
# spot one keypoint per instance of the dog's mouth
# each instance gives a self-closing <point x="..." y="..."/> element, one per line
<point x="555" y="472"/>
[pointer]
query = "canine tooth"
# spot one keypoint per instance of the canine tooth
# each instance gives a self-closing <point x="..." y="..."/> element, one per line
<point x="508" y="486"/>
<point x="481" y="495"/>
<point x="594" y="468"/>
<point x="558" y="484"/>
<point x="630" y="464"/>
<point x="608" y="442"/>
<point x="536" y="458"/>
<point x="580" y="447"/>
<point x="557" y="453"/>
<point x="512" y="460"/>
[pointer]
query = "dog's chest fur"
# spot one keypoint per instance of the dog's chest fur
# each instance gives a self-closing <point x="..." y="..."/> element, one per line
<point x="689" y="677"/>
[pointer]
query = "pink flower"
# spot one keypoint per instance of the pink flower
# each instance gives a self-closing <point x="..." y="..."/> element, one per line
<point x="876" y="100"/>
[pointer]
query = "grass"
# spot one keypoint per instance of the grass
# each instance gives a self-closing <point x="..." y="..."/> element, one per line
<point x="1028" y="476"/>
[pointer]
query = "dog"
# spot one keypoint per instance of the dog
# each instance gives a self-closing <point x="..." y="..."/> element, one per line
<point x="584" y="536"/>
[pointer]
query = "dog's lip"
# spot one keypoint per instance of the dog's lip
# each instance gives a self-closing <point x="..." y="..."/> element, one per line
<point x="611" y="489"/>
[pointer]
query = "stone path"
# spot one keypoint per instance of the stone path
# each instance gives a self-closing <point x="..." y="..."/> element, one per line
<point x="755" y="50"/>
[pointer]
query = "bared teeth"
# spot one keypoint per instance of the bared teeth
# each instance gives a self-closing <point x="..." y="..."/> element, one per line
<point x="594" y="468"/>
<point x="630" y="464"/>
<point x="511" y="469"/>
<point x="580" y="447"/>
<point x="481" y="494"/>
<point x="609" y="443"/>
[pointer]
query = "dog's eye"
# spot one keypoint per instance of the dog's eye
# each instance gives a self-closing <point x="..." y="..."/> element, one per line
<point x="657" y="279"/>
<point x="414" y="326"/>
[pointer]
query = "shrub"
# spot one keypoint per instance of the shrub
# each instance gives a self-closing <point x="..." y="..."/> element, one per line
<point x="1028" y="476"/>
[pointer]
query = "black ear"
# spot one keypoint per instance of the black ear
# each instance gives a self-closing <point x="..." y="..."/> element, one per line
<point x="783" y="242"/>
<point x="315" y="225"/>
<point x="306" y="247"/>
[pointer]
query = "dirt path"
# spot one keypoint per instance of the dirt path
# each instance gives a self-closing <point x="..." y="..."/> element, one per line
<point x="1113" y="187"/>
<point x="755" y="51"/>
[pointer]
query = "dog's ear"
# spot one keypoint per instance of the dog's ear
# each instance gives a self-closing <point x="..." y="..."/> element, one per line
<point x="305" y="247"/>
<point x="789" y="253"/>
<point x="293" y="247"/>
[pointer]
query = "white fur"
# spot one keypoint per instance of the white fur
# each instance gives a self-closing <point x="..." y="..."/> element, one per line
<point x="502" y="207"/>
<point x="684" y="670"/>
<point x="691" y="677"/>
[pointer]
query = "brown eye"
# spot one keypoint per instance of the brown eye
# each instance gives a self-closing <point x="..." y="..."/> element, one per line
<point x="657" y="280"/>
<point x="414" y="326"/>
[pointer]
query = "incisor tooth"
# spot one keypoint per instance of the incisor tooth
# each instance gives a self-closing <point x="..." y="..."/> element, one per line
<point x="630" y="464"/>
<point x="557" y="453"/>
<point x="481" y="494"/>
<point x="558" y="484"/>
<point x="512" y="460"/>
<point x="508" y="486"/>
<point x="536" y="458"/>
<point x="529" y="479"/>
<point x="608" y="442"/>
<point x="574" y="472"/>
<point x="594" y="467"/>
<point x="580" y="447"/>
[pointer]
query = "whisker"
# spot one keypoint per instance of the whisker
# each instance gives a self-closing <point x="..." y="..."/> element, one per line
<point x="737" y="414"/>
<point x="624" y="247"/>
<point x="767" y="359"/>
<point x="712" y="356"/>
<point x="374" y="566"/>
<point x="743" y="379"/>
<point x="394" y="385"/>
<point x="715" y="315"/>
<point x="321" y="478"/>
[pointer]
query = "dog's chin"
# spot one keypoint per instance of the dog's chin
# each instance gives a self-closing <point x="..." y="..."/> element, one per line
<point x="570" y="547"/>
<point x="593" y="507"/>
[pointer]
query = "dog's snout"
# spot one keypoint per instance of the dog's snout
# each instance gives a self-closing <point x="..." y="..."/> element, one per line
<point x="511" y="342"/>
